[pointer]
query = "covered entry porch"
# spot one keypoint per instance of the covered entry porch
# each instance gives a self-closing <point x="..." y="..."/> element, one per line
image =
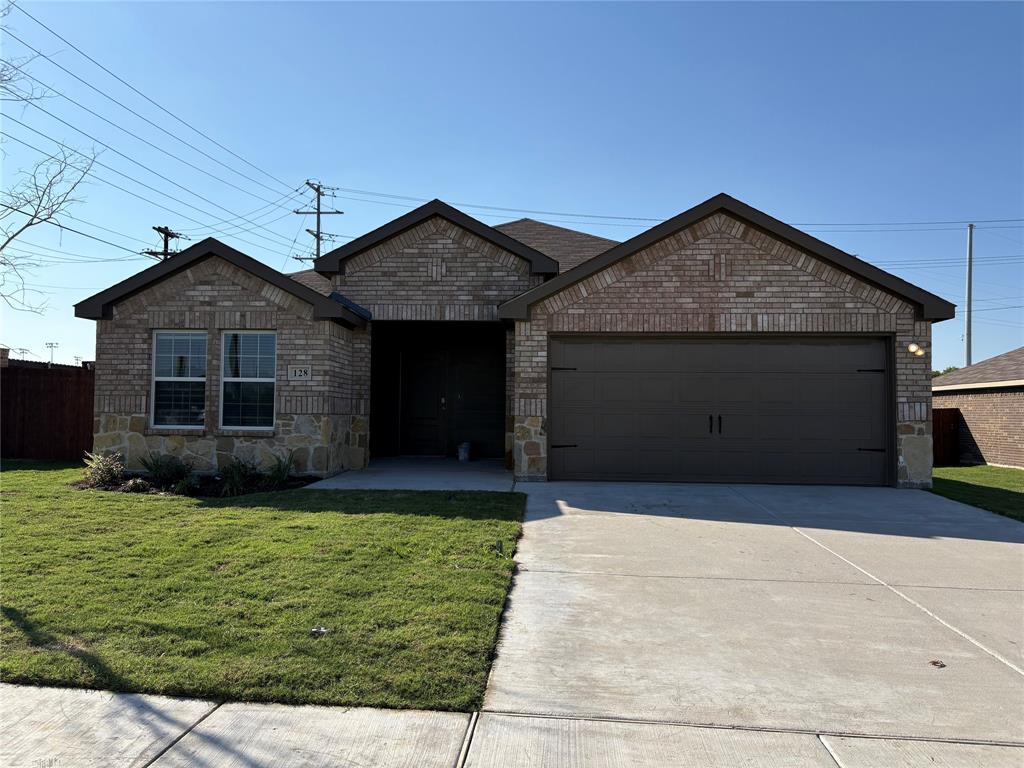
<point x="435" y="385"/>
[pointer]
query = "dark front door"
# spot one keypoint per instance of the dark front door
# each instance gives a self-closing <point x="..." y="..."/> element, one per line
<point x="423" y="403"/>
<point x="436" y="386"/>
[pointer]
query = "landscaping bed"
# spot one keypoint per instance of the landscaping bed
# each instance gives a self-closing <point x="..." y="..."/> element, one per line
<point x="218" y="597"/>
<point x="997" y="489"/>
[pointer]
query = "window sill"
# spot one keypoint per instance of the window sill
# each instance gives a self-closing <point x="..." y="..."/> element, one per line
<point x="228" y="432"/>
<point x="186" y="432"/>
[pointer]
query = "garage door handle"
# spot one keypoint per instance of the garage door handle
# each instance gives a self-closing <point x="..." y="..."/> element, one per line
<point x="566" y="445"/>
<point x="719" y="423"/>
<point x="711" y="424"/>
<point x="872" y="450"/>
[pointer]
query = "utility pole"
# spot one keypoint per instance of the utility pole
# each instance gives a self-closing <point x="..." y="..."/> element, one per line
<point x="52" y="345"/>
<point x="318" y="234"/>
<point x="970" y="276"/>
<point x="167" y="234"/>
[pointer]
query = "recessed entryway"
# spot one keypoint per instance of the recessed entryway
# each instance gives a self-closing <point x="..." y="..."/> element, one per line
<point x="435" y="385"/>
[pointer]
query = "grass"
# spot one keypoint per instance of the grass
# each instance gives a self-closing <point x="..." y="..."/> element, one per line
<point x="997" y="489"/>
<point x="216" y="597"/>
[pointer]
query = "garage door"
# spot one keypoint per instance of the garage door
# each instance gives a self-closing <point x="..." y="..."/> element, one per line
<point x="793" y="410"/>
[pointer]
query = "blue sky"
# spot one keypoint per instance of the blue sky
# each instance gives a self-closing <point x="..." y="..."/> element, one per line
<point x="847" y="115"/>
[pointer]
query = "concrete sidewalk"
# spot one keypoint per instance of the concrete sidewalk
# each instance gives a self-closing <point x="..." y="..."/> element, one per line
<point x="61" y="728"/>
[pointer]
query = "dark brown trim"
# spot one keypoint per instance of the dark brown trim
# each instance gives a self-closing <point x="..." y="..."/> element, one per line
<point x="931" y="306"/>
<point x="99" y="306"/>
<point x="333" y="262"/>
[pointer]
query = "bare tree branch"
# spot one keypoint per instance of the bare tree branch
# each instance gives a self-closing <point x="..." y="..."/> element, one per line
<point x="37" y="196"/>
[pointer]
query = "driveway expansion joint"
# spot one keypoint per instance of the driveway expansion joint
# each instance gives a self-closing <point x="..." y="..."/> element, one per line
<point x="754" y="728"/>
<point x="994" y="654"/>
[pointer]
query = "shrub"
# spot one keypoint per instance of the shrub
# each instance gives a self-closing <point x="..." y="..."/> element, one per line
<point x="165" y="471"/>
<point x="278" y="474"/>
<point x="103" y="470"/>
<point x="241" y="476"/>
<point x="187" y="486"/>
<point x="136" y="485"/>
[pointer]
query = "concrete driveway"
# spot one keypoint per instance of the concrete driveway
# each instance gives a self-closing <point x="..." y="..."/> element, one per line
<point x="783" y="624"/>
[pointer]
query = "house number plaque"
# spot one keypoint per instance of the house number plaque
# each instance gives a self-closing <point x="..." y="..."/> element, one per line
<point x="299" y="373"/>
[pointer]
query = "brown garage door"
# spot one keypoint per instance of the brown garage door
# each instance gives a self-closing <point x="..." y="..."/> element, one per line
<point x="791" y="410"/>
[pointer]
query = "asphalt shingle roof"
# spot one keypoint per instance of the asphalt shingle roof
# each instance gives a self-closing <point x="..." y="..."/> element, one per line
<point x="566" y="246"/>
<point x="1008" y="366"/>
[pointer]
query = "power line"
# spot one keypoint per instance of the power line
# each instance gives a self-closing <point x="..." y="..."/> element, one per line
<point x="123" y="106"/>
<point x="133" y="135"/>
<point x="62" y="227"/>
<point x="147" y="98"/>
<point x="137" y="181"/>
<point x="655" y="219"/>
<point x="146" y="168"/>
<point x="422" y="200"/>
<point x="136" y="195"/>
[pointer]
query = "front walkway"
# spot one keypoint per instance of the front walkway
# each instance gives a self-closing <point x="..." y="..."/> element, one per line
<point x="422" y="474"/>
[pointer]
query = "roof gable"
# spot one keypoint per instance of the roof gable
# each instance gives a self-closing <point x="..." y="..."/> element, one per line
<point x="1006" y="369"/>
<point x="568" y="247"/>
<point x="99" y="305"/>
<point x="931" y="306"/>
<point x="334" y="261"/>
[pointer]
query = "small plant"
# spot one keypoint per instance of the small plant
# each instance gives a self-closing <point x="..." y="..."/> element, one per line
<point x="103" y="470"/>
<point x="187" y="486"/>
<point x="241" y="476"/>
<point x="166" y="471"/>
<point x="278" y="474"/>
<point x="136" y="485"/>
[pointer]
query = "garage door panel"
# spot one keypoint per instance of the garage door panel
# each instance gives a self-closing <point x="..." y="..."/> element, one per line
<point x="792" y="410"/>
<point x="696" y="390"/>
<point x="613" y="388"/>
<point x="572" y="390"/>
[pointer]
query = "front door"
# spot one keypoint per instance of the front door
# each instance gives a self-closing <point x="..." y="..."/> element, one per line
<point x="424" y="403"/>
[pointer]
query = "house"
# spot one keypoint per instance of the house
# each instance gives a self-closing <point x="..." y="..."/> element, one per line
<point x="990" y="399"/>
<point x="719" y="345"/>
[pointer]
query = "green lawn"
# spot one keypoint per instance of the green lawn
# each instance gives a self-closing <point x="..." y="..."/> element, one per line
<point x="216" y="597"/>
<point x="997" y="489"/>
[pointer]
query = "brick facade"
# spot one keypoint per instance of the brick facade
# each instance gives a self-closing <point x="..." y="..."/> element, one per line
<point x="437" y="271"/>
<point x="991" y="424"/>
<point x="434" y="271"/>
<point x="720" y="275"/>
<point x="323" y="420"/>
<point x="723" y="276"/>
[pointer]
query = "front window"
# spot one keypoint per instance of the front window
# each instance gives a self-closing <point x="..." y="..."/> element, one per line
<point x="247" y="400"/>
<point x="179" y="379"/>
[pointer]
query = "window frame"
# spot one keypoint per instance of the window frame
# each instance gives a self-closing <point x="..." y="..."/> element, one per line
<point x="224" y="379"/>
<point x="153" y="378"/>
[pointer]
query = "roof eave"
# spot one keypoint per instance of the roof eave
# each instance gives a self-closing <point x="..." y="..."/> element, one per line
<point x="100" y="306"/>
<point x="333" y="261"/>
<point x="931" y="307"/>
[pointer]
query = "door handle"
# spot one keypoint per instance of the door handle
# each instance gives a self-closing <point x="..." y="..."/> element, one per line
<point x="444" y="403"/>
<point x="719" y="423"/>
<point x="711" y="423"/>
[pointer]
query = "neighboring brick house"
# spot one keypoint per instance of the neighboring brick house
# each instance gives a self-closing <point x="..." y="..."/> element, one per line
<point x="720" y="345"/>
<point x="990" y="398"/>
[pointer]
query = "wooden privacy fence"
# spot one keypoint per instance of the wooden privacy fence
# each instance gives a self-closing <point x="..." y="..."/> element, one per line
<point x="946" y="436"/>
<point x="45" y="412"/>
